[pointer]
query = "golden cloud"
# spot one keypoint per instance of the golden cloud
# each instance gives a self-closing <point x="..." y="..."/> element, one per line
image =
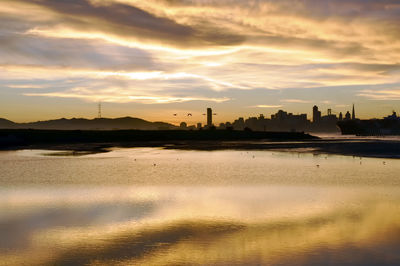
<point x="195" y="46"/>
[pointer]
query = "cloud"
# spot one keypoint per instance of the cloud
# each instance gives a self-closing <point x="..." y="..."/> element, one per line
<point x="294" y="101"/>
<point x="39" y="51"/>
<point x="326" y="102"/>
<point x="193" y="48"/>
<point x="267" y="106"/>
<point x="130" y="22"/>
<point x="382" y="95"/>
<point x="166" y="99"/>
<point x="25" y="86"/>
<point x="308" y="25"/>
<point x="342" y="105"/>
<point x="122" y="95"/>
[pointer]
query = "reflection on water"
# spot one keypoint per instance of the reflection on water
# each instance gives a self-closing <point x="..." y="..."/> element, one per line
<point x="161" y="207"/>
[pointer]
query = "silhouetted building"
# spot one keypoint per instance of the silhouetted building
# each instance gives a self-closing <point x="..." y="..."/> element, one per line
<point x="238" y="124"/>
<point x="393" y="116"/>
<point x="284" y="121"/>
<point x="316" y="114"/>
<point x="199" y="125"/>
<point x="326" y="123"/>
<point x="183" y="125"/>
<point x="209" y="117"/>
<point x="353" y="114"/>
<point x="328" y="119"/>
<point x="347" y="116"/>
<point x="340" y="116"/>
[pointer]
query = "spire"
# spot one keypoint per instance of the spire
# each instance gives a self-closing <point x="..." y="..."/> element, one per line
<point x="353" y="114"/>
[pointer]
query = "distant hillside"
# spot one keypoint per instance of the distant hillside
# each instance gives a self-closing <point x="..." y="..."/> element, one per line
<point x="4" y="123"/>
<point x="89" y="124"/>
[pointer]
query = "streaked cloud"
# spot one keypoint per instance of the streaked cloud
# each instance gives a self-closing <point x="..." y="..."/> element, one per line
<point x="294" y="101"/>
<point x="267" y="106"/>
<point x="121" y="95"/>
<point x="190" y="49"/>
<point x="382" y="95"/>
<point x="326" y="102"/>
<point x="25" y="86"/>
<point x="342" y="105"/>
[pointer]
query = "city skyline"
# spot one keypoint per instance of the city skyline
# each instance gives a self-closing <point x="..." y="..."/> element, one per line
<point x="152" y="59"/>
<point x="282" y="121"/>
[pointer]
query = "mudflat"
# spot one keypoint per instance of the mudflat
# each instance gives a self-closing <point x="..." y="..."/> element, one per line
<point x="80" y="142"/>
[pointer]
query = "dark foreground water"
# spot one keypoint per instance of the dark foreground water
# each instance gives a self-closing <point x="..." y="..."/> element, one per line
<point x="168" y="207"/>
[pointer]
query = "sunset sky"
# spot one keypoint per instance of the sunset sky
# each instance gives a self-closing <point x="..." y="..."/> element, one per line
<point x="153" y="58"/>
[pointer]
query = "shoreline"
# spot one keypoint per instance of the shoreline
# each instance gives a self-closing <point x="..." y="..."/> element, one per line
<point x="80" y="142"/>
<point x="357" y="148"/>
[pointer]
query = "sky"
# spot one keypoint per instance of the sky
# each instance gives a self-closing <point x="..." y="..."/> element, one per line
<point x="155" y="58"/>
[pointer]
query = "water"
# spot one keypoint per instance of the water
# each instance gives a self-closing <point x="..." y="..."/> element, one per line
<point x="339" y="136"/>
<point x="151" y="206"/>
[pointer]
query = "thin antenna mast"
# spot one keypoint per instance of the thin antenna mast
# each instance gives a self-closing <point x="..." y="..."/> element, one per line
<point x="99" y="110"/>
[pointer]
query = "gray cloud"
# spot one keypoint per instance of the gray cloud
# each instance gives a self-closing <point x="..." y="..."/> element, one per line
<point x="129" y="21"/>
<point x="320" y="7"/>
<point x="199" y="48"/>
<point x="25" y="49"/>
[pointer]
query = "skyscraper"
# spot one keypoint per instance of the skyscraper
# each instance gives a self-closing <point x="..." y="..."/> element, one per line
<point x="353" y="114"/>
<point x="316" y="114"/>
<point x="209" y="117"/>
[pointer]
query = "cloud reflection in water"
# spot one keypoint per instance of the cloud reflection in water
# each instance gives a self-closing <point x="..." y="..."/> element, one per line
<point x="204" y="225"/>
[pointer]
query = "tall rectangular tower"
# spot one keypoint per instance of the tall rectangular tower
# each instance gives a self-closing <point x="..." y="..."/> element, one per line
<point x="209" y="117"/>
<point x="316" y="114"/>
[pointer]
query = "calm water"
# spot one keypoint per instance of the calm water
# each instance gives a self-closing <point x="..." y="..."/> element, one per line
<point x="168" y="207"/>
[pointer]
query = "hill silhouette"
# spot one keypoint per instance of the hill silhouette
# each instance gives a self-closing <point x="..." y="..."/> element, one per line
<point x="89" y="124"/>
<point x="4" y="123"/>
